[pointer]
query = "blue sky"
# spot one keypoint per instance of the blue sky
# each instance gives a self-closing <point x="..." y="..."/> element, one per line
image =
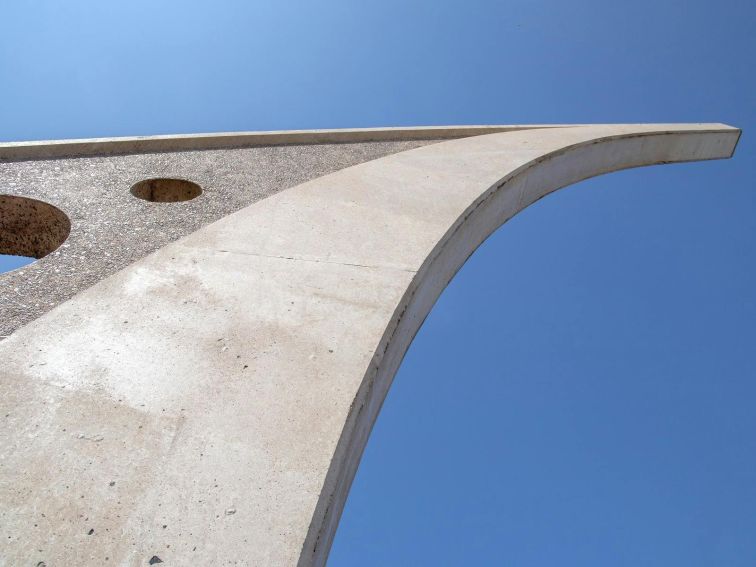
<point x="584" y="391"/>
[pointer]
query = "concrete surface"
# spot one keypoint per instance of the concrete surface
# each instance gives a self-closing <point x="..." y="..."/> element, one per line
<point x="15" y="151"/>
<point x="209" y="404"/>
<point x="31" y="228"/>
<point x="111" y="228"/>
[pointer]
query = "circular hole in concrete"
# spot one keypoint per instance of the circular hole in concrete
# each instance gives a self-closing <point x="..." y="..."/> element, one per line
<point x="166" y="190"/>
<point x="30" y="228"/>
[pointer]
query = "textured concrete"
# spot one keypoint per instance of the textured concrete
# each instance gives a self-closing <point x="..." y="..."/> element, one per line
<point x="31" y="228"/>
<point x="209" y="404"/>
<point x="111" y="228"/>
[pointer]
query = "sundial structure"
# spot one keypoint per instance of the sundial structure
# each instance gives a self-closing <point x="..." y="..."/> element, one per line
<point x="191" y="371"/>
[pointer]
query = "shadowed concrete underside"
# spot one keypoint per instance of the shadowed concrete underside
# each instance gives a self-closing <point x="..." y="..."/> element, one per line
<point x="210" y="403"/>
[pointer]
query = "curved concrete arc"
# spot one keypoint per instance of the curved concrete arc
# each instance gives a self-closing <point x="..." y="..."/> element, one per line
<point x="211" y="402"/>
<point x="563" y="158"/>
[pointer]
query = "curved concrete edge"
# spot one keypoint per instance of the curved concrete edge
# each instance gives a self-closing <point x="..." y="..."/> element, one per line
<point x="53" y="149"/>
<point x="530" y="182"/>
<point x="218" y="394"/>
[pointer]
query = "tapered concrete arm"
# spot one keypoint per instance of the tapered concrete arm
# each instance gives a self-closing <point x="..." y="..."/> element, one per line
<point x="210" y="403"/>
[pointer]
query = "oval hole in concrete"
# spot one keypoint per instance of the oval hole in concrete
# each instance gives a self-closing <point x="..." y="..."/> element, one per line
<point x="30" y="228"/>
<point x="166" y="190"/>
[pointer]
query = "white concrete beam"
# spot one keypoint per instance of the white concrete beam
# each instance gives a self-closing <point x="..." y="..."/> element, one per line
<point x="210" y="403"/>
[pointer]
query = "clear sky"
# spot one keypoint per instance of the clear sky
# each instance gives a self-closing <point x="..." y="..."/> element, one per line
<point x="584" y="392"/>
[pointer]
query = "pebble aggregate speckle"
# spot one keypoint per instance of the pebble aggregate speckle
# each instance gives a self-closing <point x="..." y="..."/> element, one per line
<point x="110" y="228"/>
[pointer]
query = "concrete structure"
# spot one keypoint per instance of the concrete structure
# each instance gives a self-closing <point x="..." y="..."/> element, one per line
<point x="205" y="395"/>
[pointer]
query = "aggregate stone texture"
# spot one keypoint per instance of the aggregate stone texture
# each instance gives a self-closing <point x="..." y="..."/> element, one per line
<point x="111" y="228"/>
